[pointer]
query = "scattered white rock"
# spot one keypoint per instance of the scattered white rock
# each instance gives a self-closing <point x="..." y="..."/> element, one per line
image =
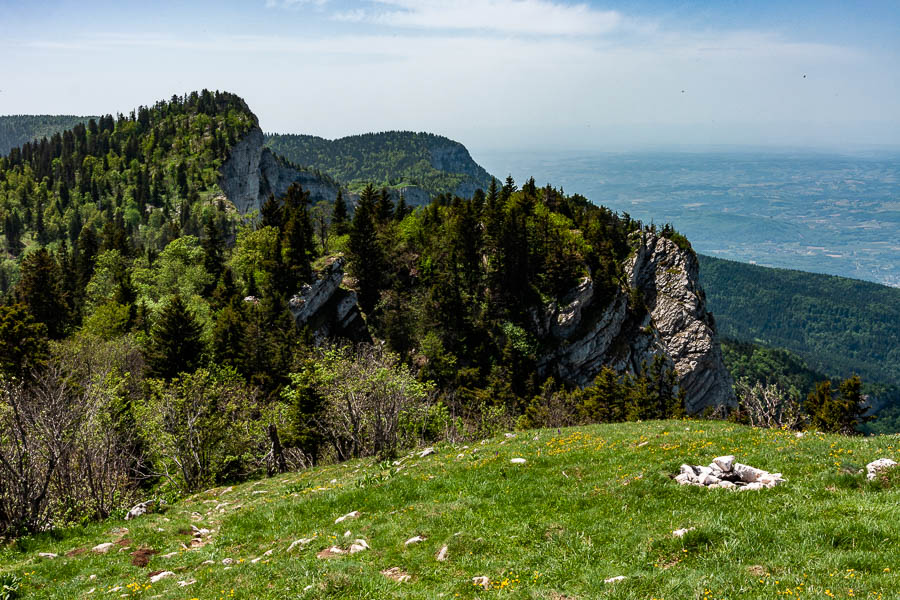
<point x="442" y="554"/>
<point x="426" y="452"/>
<point x="259" y="558"/>
<point x="482" y="581"/>
<point x="161" y="576"/>
<point x="509" y="436"/>
<point x="725" y="463"/>
<point x="614" y="579"/>
<point x="91" y="591"/>
<point x="139" y="509"/>
<point x="799" y="434"/>
<point x="724" y="472"/>
<point x="879" y="466"/>
<point x="397" y="574"/>
<point x="48" y="555"/>
<point x="309" y="587"/>
<point x="680" y="532"/>
<point x="227" y="561"/>
<point x="187" y="582"/>
<point x="351" y="515"/>
<point x="169" y="555"/>
<point x="92" y="577"/>
<point x="518" y="461"/>
<point x="102" y="548"/>
<point x="414" y="540"/>
<point x="347" y="533"/>
<point x="301" y="542"/>
<point x="208" y="562"/>
<point x="259" y="492"/>
<point x="358" y="546"/>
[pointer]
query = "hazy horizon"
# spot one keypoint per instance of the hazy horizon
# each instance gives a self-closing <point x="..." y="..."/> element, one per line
<point x="493" y="74"/>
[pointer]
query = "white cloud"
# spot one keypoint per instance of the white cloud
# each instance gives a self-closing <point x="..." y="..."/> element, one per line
<point x="295" y="3"/>
<point x="508" y="16"/>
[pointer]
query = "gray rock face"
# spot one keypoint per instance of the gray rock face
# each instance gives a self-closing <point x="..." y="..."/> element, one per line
<point x="584" y="332"/>
<point x="252" y="172"/>
<point x="668" y="277"/>
<point x="328" y="309"/>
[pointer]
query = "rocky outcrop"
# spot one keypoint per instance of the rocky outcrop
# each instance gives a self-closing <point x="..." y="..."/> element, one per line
<point x="329" y="310"/>
<point x="664" y="315"/>
<point x="253" y="172"/>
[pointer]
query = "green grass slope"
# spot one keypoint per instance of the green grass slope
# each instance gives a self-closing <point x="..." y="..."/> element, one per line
<point x="839" y="326"/>
<point x="589" y="504"/>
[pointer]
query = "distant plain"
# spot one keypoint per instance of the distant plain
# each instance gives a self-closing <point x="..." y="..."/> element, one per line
<point x="824" y="213"/>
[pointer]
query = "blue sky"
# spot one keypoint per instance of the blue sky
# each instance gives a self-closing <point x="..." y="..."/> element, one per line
<point x="494" y="74"/>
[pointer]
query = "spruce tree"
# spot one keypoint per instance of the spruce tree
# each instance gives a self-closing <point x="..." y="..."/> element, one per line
<point x="365" y="252"/>
<point x="40" y="290"/>
<point x="175" y="344"/>
<point x="339" y="218"/>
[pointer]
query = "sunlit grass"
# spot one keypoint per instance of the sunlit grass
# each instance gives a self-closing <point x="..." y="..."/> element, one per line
<point x="589" y="504"/>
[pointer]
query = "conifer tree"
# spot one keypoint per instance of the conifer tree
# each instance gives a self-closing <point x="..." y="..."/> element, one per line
<point x="339" y="217"/>
<point x="365" y="252"/>
<point x="175" y="344"/>
<point x="40" y="290"/>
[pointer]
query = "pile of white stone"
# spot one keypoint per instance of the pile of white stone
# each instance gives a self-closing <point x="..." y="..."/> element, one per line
<point x="723" y="472"/>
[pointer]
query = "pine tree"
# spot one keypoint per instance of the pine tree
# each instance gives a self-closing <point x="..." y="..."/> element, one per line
<point x="40" y="290"/>
<point x="175" y="345"/>
<point x="365" y="252"/>
<point x="339" y="217"/>
<point x="23" y="342"/>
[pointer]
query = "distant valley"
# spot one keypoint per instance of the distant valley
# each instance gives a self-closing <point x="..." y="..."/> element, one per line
<point x="831" y="214"/>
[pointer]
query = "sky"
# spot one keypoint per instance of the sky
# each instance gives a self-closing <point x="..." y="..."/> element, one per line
<point x="493" y="74"/>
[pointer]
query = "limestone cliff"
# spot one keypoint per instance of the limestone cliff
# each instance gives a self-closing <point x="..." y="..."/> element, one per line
<point x="252" y="172"/>
<point x="583" y="332"/>
<point x="327" y="309"/>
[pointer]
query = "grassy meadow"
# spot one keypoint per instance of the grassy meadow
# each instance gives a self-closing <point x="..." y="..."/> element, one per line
<point x="589" y="504"/>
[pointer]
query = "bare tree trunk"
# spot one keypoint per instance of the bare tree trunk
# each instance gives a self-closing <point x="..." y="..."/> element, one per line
<point x="279" y="464"/>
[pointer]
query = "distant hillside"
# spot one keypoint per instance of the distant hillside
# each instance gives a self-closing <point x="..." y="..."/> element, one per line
<point x="838" y="326"/>
<point x="395" y="159"/>
<point x="15" y="130"/>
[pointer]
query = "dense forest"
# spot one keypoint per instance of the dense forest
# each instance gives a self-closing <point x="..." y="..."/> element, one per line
<point x="838" y="326"/>
<point x="16" y="130"/>
<point x="147" y="340"/>
<point x="392" y="159"/>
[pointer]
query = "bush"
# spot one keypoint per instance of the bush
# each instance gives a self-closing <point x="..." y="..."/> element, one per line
<point x="356" y="398"/>
<point x="198" y="429"/>
<point x="768" y="406"/>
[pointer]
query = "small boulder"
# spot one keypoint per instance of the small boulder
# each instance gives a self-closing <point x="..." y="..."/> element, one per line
<point x="358" y="546"/>
<point x="139" y="509"/>
<point x="414" y="540"/>
<point x="301" y="542"/>
<point x="680" y="532"/>
<point x="879" y="466"/>
<point x="724" y="462"/>
<point x="442" y="554"/>
<point x="426" y="452"/>
<point x="351" y="515"/>
<point x="614" y="579"/>
<point x="518" y="461"/>
<point x="483" y="581"/>
<point x="102" y="548"/>
<point x="48" y="555"/>
<point x="161" y="576"/>
<point x="747" y="473"/>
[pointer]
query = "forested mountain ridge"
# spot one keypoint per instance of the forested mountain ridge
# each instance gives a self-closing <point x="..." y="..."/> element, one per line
<point x="403" y="160"/>
<point x="839" y="326"/>
<point x="16" y="130"/>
